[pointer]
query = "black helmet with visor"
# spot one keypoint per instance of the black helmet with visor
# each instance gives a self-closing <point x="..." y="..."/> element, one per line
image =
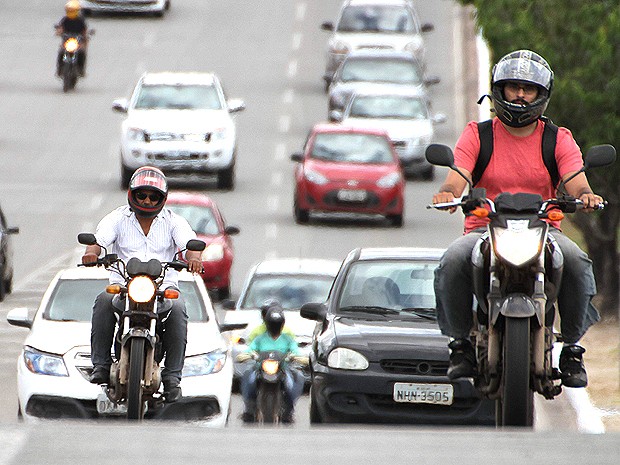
<point x="147" y="180"/>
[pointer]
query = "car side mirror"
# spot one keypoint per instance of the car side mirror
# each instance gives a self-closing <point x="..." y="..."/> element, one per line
<point x="313" y="311"/>
<point x="228" y="304"/>
<point x="327" y="26"/>
<point x="431" y="80"/>
<point x="335" y="116"/>
<point x="439" y="118"/>
<point x="232" y="326"/>
<point x="120" y="105"/>
<point x="232" y="230"/>
<point x="19" y="317"/>
<point x="427" y="27"/>
<point x="297" y="157"/>
<point x="235" y="105"/>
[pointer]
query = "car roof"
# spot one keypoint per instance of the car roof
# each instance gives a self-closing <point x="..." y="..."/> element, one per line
<point x="378" y="2"/>
<point x="340" y="128"/>
<point x="380" y="53"/>
<point x="406" y="253"/>
<point x="389" y="89"/>
<point x="190" y="198"/>
<point x="294" y="265"/>
<point x="178" y="78"/>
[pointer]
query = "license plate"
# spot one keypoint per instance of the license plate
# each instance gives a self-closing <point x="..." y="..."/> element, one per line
<point x="441" y="394"/>
<point x="348" y="195"/>
<point x="106" y="407"/>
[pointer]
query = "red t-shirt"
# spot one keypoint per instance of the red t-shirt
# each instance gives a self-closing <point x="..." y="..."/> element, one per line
<point x="516" y="164"/>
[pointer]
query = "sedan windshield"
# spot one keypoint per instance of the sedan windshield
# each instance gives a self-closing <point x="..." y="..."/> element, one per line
<point x="178" y="97"/>
<point x="388" y="71"/>
<point x="404" y="287"/>
<point x="374" y="18"/>
<point x="73" y="300"/>
<point x="292" y="291"/>
<point x="353" y="148"/>
<point x="201" y="219"/>
<point x="392" y="106"/>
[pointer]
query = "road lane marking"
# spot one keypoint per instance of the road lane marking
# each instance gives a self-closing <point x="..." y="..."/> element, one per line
<point x="292" y="68"/>
<point x="284" y="123"/>
<point x="297" y="40"/>
<point x="280" y="152"/>
<point x="300" y="12"/>
<point x="271" y="231"/>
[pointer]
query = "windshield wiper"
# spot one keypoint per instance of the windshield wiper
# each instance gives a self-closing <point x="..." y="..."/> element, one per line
<point x="428" y="313"/>
<point x="372" y="309"/>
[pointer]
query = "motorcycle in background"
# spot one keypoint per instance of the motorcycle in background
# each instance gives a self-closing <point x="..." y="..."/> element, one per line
<point x="135" y="374"/>
<point x="72" y="45"/>
<point x="517" y="270"/>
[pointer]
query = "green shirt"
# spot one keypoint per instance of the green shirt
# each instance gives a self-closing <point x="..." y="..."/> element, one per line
<point x="260" y="329"/>
<point x="265" y="343"/>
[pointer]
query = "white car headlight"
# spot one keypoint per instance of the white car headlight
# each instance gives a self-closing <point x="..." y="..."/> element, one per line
<point x="339" y="47"/>
<point x="219" y="134"/>
<point x="389" y="180"/>
<point x="141" y="289"/>
<point x="44" y="364"/>
<point x="415" y="46"/>
<point x="195" y="137"/>
<point x="204" y="364"/>
<point x="315" y="177"/>
<point x="212" y="253"/>
<point x="517" y="244"/>
<point x="136" y="134"/>
<point x="346" y="359"/>
<point x="423" y="140"/>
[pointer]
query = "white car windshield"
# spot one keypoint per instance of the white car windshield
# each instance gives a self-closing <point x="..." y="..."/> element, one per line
<point x="353" y="148"/>
<point x="290" y="291"/>
<point x="372" y="18"/>
<point x="397" y="72"/>
<point x="201" y="219"/>
<point x="395" y="106"/>
<point x="178" y="97"/>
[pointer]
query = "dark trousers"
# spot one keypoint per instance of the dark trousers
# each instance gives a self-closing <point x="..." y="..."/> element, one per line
<point x="173" y="336"/>
<point x="81" y="59"/>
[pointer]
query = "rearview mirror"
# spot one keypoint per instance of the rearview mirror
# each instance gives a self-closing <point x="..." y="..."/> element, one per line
<point x="440" y="155"/>
<point x="313" y="311"/>
<point x="600" y="155"/>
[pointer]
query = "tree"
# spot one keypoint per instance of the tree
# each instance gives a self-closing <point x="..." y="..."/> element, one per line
<point x="581" y="42"/>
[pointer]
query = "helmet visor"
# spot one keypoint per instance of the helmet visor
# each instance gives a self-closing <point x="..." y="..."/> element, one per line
<point x="523" y="69"/>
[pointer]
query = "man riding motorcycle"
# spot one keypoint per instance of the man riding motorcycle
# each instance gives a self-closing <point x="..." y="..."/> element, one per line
<point x="272" y="340"/>
<point x="262" y="328"/>
<point x="146" y="230"/>
<point x="521" y="85"/>
<point x="73" y="23"/>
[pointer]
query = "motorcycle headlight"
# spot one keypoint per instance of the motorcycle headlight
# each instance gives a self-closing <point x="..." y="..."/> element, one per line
<point x="141" y="289"/>
<point x="339" y="47"/>
<point x="212" y="253"/>
<point x="517" y="244"/>
<point x="136" y="134"/>
<point x="44" y="364"/>
<point x="314" y="177"/>
<point x="389" y="180"/>
<point x="204" y="364"/>
<point x="71" y="45"/>
<point x="270" y="367"/>
<point x="346" y="359"/>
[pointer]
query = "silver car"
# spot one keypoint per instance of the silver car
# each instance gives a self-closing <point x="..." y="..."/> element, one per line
<point x="404" y="114"/>
<point x="180" y="123"/>
<point x="155" y="7"/>
<point x="364" y="68"/>
<point x="374" y="24"/>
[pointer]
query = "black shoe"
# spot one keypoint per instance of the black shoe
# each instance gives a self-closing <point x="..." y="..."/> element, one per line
<point x="172" y="391"/>
<point x="288" y="418"/>
<point x="462" y="359"/>
<point x="248" y="417"/>
<point x="571" y="365"/>
<point x="100" y="375"/>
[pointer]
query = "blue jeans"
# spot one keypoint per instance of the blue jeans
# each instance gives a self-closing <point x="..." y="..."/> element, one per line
<point x="453" y="289"/>
<point x="293" y="388"/>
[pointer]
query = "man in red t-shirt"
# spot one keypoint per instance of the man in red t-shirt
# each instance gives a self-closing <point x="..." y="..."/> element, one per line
<point x="521" y="87"/>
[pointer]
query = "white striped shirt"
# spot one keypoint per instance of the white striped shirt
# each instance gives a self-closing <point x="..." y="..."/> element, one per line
<point x="120" y="233"/>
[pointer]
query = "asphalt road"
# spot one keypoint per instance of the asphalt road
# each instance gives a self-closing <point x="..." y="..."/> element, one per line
<point x="60" y="175"/>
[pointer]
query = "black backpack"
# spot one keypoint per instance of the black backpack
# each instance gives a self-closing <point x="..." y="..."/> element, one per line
<point x="485" y="131"/>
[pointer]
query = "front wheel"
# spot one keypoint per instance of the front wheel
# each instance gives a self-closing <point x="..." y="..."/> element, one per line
<point x="135" y="405"/>
<point x="69" y="78"/>
<point x="268" y="400"/>
<point x="517" y="397"/>
<point x="226" y="178"/>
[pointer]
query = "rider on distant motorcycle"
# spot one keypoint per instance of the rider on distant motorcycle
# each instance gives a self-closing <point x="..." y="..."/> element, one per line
<point x="262" y="328"/>
<point x="73" y="23"/>
<point x="272" y="340"/>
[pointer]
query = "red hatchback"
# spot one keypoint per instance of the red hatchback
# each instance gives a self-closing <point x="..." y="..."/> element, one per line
<point x="206" y="220"/>
<point x="346" y="169"/>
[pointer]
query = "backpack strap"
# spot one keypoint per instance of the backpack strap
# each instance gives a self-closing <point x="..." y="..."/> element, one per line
<point x="549" y="139"/>
<point x="485" y="132"/>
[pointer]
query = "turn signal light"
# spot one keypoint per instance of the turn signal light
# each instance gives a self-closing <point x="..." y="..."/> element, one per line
<point x="171" y="294"/>
<point x="480" y="212"/>
<point x="555" y="215"/>
<point x="113" y="289"/>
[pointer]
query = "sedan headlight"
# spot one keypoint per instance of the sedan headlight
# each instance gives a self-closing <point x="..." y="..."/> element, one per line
<point x="315" y="177"/>
<point x="423" y="140"/>
<point x="389" y="180"/>
<point x="346" y="359"/>
<point x="517" y="244"/>
<point x="141" y="289"/>
<point x="219" y="134"/>
<point x="339" y="47"/>
<point x="415" y="46"/>
<point x="44" y="364"/>
<point x="212" y="253"/>
<point x="204" y="364"/>
<point x="136" y="134"/>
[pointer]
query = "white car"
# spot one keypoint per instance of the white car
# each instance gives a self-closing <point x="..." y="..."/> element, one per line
<point x="374" y="24"/>
<point x="404" y="114"/>
<point x="54" y="367"/>
<point x="180" y="123"/>
<point x="155" y="7"/>
<point x="292" y="282"/>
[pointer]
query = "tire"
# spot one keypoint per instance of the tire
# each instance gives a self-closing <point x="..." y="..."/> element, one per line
<point x="302" y="216"/>
<point x="226" y="178"/>
<point x="517" y="399"/>
<point x="396" y="220"/>
<point x="135" y="405"/>
<point x="268" y="402"/>
<point x="68" y="79"/>
<point x="429" y="174"/>
<point x="223" y="293"/>
<point x="126" y="174"/>
<point x="3" y="290"/>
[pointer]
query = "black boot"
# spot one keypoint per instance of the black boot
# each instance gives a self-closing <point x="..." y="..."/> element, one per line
<point x="571" y="365"/>
<point x="462" y="359"/>
<point x="172" y="390"/>
<point x="100" y="375"/>
<point x="249" y="415"/>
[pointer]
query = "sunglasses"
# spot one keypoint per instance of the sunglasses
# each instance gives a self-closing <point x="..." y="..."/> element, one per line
<point x="152" y="196"/>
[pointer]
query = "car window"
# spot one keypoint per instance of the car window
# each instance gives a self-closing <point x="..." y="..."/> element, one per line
<point x="390" y="71"/>
<point x="376" y="18"/>
<point x="201" y="219"/>
<point x="291" y="291"/>
<point x="354" y="148"/>
<point x="178" y="97"/>
<point x="73" y="299"/>
<point x="392" y="106"/>
<point x="393" y="284"/>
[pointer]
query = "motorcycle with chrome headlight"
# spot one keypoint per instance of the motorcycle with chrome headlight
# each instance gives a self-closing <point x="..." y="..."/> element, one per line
<point x="517" y="270"/>
<point x="69" y="62"/>
<point x="135" y="374"/>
